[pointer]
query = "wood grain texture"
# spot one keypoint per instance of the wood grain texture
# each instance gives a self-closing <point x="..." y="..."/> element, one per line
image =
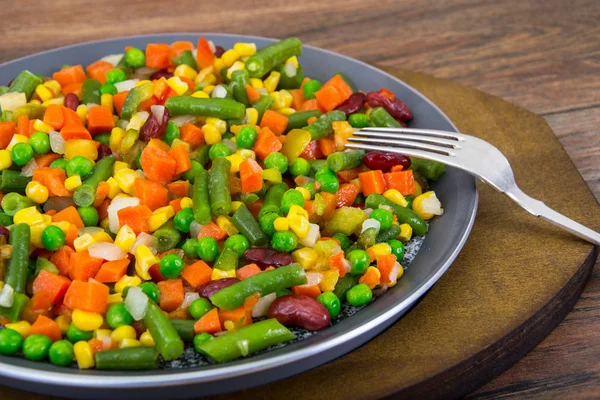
<point x="543" y="55"/>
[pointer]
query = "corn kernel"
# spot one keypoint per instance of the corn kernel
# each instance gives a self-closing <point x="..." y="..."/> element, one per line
<point x="306" y="257"/>
<point x="125" y="239"/>
<point x="186" y="202"/>
<point x="200" y="94"/>
<point x="245" y="49"/>
<point x="126" y="179"/>
<point x="123" y="332"/>
<point x="105" y="223"/>
<point x="235" y="160"/>
<point x="297" y="210"/>
<point x="236" y="66"/>
<point x="82" y="112"/>
<point x="272" y="81"/>
<point x="208" y="89"/>
<point x="299" y="225"/>
<point x="37" y="192"/>
<point x="251" y="116"/>
<point x="418" y="189"/>
<point x="218" y="65"/>
<point x="220" y="274"/>
<point x="102" y="237"/>
<point x="256" y="83"/>
<point x="287" y="111"/>
<point x="405" y="232"/>
<point x="282" y="99"/>
<point x="106" y="100"/>
<point x="125" y="343"/>
<point x="185" y="71"/>
<point x="63" y="323"/>
<point x="119" y="165"/>
<point x="58" y="101"/>
<point x="102" y="333"/>
<point x="159" y="217"/>
<point x="395" y="197"/>
<point x="179" y="86"/>
<point x="5" y="159"/>
<point x="125" y="281"/>
<point x="17" y="139"/>
<point x="212" y="134"/>
<point x="304" y="192"/>
<point x="73" y="182"/>
<point x="235" y="205"/>
<point x="81" y="147"/>
<point x="142" y="82"/>
<point x="427" y="205"/>
<point x="84" y="355"/>
<point x="113" y="187"/>
<point x="43" y="92"/>
<point x="272" y="175"/>
<point x="30" y="216"/>
<point x="83" y="242"/>
<point x="144" y="259"/>
<point x="23" y="327"/>
<point x="54" y="86"/>
<point x="229" y="326"/>
<point x="203" y="74"/>
<point x="224" y="222"/>
<point x="330" y="279"/>
<point x="147" y="340"/>
<point x="116" y="137"/>
<point x="380" y="249"/>
<point x="86" y="320"/>
<point x="115" y="298"/>
<point x="281" y="224"/>
<point x="246" y="154"/>
<point x="219" y="123"/>
<point x="40" y="126"/>
<point x="293" y="60"/>
<point x="229" y="57"/>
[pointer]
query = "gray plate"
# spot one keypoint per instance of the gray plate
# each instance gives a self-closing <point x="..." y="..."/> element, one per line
<point x="445" y="239"/>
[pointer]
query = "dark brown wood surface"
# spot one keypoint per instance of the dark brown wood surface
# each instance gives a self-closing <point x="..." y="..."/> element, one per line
<point x="542" y="55"/>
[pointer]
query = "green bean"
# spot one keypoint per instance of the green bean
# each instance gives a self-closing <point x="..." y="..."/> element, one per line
<point x="244" y="221"/>
<point x="404" y="215"/>
<point x="90" y="92"/>
<point x="185" y="329"/>
<point x="430" y="169"/>
<point x="264" y="283"/>
<point x="389" y="234"/>
<point x="274" y="54"/>
<point x="246" y="340"/>
<point x="25" y="82"/>
<point x="14" y="202"/>
<point x="167" y="237"/>
<point x="6" y="116"/>
<point x="13" y="181"/>
<point x="290" y="82"/>
<point x="343" y="160"/>
<point x="299" y="119"/>
<point x="218" y="186"/>
<point x="13" y="313"/>
<point x="16" y="273"/>
<point x="187" y="58"/>
<point x="239" y="80"/>
<point x="5" y="219"/>
<point x="227" y="260"/>
<point x="344" y="284"/>
<point x="322" y="126"/>
<point x="131" y="359"/>
<point x="316" y="165"/>
<point x="136" y="96"/>
<point x="218" y="108"/>
<point x="168" y="342"/>
<point x="263" y="104"/>
<point x="272" y="200"/>
<point x="367" y="238"/>
<point x="3" y="90"/>
<point x="85" y="194"/>
<point x="381" y="118"/>
<point x="201" y="154"/>
<point x="249" y="198"/>
<point x="32" y="111"/>
<point x="200" y="198"/>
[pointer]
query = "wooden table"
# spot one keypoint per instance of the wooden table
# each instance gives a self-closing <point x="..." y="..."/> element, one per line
<point x="542" y="55"/>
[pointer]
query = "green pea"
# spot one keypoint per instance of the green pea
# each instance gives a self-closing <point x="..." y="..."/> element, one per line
<point x="40" y="142"/>
<point x="218" y="150"/>
<point x="108" y="88"/>
<point x="329" y="183"/>
<point x="53" y="238"/>
<point x="199" y="307"/>
<point x="239" y="243"/>
<point x="344" y="240"/>
<point x="208" y="249"/>
<point x="384" y="217"/>
<point x="151" y="290"/>
<point x="358" y="120"/>
<point x="135" y="58"/>
<point x="36" y="347"/>
<point x="266" y="223"/>
<point x="310" y="88"/>
<point x="10" y="342"/>
<point x="228" y="135"/>
<point x="115" y="76"/>
<point x="74" y="334"/>
<point x="331" y="302"/>
<point x="291" y="197"/>
<point x="397" y="249"/>
<point x="284" y="241"/>
<point x="117" y="315"/>
<point x="103" y="138"/>
<point x="310" y="186"/>
<point x="79" y="165"/>
<point x="359" y="261"/>
<point x="190" y="174"/>
<point x="171" y="266"/>
<point x="199" y="339"/>
<point x="171" y="133"/>
<point x="89" y="215"/>
<point x="300" y="167"/>
<point x="277" y="160"/>
<point x="21" y="153"/>
<point x="359" y="295"/>
<point x="189" y="247"/>
<point x="246" y="137"/>
<point x="183" y="219"/>
<point x="59" y="163"/>
<point x="61" y="353"/>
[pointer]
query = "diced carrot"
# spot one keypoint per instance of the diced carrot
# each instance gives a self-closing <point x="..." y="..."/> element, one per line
<point x="275" y="121"/>
<point x="136" y="217"/>
<point x="311" y="104"/>
<point x="397" y="168"/>
<point x="112" y="271"/>
<point x="102" y="191"/>
<point x="83" y="266"/>
<point x="372" y="182"/>
<point x="348" y="175"/>
<point x="46" y="159"/>
<point x="209" y="322"/>
<point x="189" y="82"/>
<point x="192" y="134"/>
<point x="340" y="84"/>
<point x="103" y="209"/>
<point x="311" y="120"/>
<point x="328" y="97"/>
<point x="327" y="146"/>
<point x="385" y="265"/>
<point x="311" y="151"/>
<point x="254" y="208"/>
<point x="390" y="95"/>
<point x="266" y="143"/>
<point x="171" y="294"/>
<point x="176" y="204"/>
<point x="69" y="132"/>
<point x="346" y="195"/>
<point x="330" y="203"/>
<point x="41" y="303"/>
<point x="72" y="234"/>
<point x="70" y="215"/>
<point x="250" y="176"/>
<point x="70" y="75"/>
<point x="298" y="98"/>
<point x="158" y="165"/>
<point x="159" y="144"/>
<point x="197" y="273"/>
<point x="247" y="271"/>
<point x="309" y="206"/>
<point x="70" y="117"/>
<point x="312" y="291"/>
<point x="62" y="259"/>
<point x="337" y="262"/>
<point x="179" y="188"/>
<point x="253" y="94"/>
<point x="157" y="55"/>
<point x="7" y="131"/>
<point x="23" y="125"/>
<point x="119" y="100"/>
<point x="54" y="116"/>
<point x="47" y="327"/>
<point x="204" y="55"/>
<point x="160" y="87"/>
<point x="371" y="278"/>
<point x="98" y="69"/>
<point x="182" y="159"/>
<point x="212" y="230"/>
<point x="151" y="194"/>
<point x="234" y="315"/>
<point x="100" y="119"/>
<point x="53" y="285"/>
<point x="146" y="104"/>
<point x="75" y="88"/>
<point x="402" y="181"/>
<point x="53" y="179"/>
<point x="179" y="47"/>
<point x="87" y="296"/>
<point x="96" y="345"/>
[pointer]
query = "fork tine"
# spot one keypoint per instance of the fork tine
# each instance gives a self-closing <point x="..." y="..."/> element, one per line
<point x="424" y="132"/>
<point x="414" y="152"/>
<point x="405" y="144"/>
<point x="433" y="140"/>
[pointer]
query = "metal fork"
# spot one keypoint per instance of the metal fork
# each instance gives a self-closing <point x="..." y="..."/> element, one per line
<point x="470" y="154"/>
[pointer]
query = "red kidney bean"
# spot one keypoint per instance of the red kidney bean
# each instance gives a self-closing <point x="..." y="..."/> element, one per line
<point x="395" y="108"/>
<point x="103" y="151"/>
<point x="219" y="50"/>
<point x="353" y="104"/>
<point x="154" y="129"/>
<point x="4" y="232"/>
<point x="71" y="101"/>
<point x="208" y="289"/>
<point x="300" y="310"/>
<point x="385" y="161"/>
<point x="265" y="257"/>
<point x="155" y="274"/>
<point x="163" y="73"/>
<point x="139" y="327"/>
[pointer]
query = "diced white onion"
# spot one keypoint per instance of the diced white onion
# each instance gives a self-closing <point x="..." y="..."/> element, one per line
<point x="195" y="228"/>
<point x="12" y="100"/>
<point x="263" y="91"/>
<point x="189" y="298"/>
<point x="219" y="92"/>
<point x="313" y="278"/>
<point x="113" y="58"/>
<point x="144" y="239"/>
<point x="394" y="273"/>
<point x="117" y="204"/>
<point x="195" y="53"/>
<point x="140" y="173"/>
<point x="230" y="145"/>
<point x="57" y="143"/>
<point x="136" y="302"/>
<point x="432" y="205"/>
<point x="123" y="124"/>
<point x="290" y="69"/>
<point x="261" y="307"/>
<point x="386" y="207"/>
<point x="127" y="85"/>
<point x="92" y="230"/>
<point x="368" y="211"/>
<point x="29" y="168"/>
<point x="106" y="342"/>
<point x="158" y="112"/>
<point x="7" y="296"/>
<point x="314" y="234"/>
<point x="182" y="119"/>
<point x="107" y="251"/>
<point x="371" y="223"/>
<point x="143" y="73"/>
<point x="211" y="46"/>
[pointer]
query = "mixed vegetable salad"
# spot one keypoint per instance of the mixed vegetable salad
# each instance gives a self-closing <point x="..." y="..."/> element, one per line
<point x="186" y="193"/>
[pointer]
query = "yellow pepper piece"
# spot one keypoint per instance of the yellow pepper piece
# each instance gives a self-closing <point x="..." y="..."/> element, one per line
<point x="306" y="257"/>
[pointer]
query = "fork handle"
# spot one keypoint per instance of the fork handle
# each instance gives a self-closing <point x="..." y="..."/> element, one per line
<point x="539" y="209"/>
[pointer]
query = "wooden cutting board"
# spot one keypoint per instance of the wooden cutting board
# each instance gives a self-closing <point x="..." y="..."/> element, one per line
<point x="514" y="281"/>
